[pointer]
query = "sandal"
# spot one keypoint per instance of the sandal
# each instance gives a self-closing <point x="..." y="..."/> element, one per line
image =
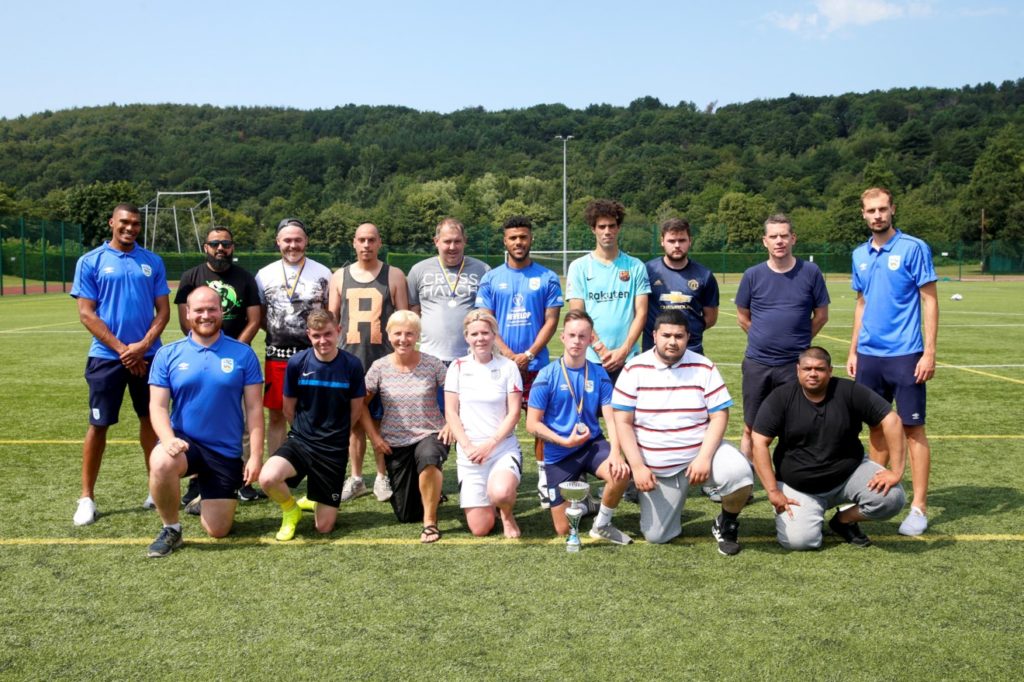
<point x="430" y="534"/>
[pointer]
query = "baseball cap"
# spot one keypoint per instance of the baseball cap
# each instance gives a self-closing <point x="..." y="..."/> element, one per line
<point x="290" y="221"/>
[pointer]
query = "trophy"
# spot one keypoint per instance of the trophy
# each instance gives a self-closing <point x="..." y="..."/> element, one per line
<point x="574" y="492"/>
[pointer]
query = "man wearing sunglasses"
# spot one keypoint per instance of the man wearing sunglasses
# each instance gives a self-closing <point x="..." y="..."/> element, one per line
<point x="240" y="302"/>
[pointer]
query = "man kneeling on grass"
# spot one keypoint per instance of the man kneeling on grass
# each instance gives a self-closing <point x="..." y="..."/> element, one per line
<point x="207" y="375"/>
<point x="671" y="411"/>
<point x="323" y="397"/>
<point x="566" y="400"/>
<point x="820" y="460"/>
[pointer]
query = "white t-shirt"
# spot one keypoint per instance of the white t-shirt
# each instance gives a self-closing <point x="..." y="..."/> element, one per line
<point x="483" y="399"/>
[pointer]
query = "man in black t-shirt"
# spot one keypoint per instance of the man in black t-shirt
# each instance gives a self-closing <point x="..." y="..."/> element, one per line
<point x="239" y="296"/>
<point x="820" y="461"/>
<point x="240" y="301"/>
<point x="322" y="398"/>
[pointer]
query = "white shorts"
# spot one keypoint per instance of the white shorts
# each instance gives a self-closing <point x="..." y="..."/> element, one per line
<point x="473" y="478"/>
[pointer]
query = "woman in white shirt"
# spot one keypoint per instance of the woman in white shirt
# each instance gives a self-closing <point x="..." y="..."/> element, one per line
<point x="483" y="396"/>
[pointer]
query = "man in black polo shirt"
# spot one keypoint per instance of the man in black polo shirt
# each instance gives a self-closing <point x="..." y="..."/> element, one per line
<point x="240" y="302"/>
<point x="820" y="461"/>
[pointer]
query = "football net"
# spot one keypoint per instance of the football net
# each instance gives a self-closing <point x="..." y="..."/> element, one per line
<point x="553" y="259"/>
<point x="169" y="213"/>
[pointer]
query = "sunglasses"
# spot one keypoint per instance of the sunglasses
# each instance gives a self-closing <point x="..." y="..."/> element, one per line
<point x="214" y="243"/>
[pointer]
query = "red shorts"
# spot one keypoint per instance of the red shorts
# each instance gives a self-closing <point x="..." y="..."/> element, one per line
<point x="273" y="384"/>
<point x="528" y="384"/>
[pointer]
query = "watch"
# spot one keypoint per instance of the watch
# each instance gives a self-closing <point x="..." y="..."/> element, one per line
<point x="530" y="355"/>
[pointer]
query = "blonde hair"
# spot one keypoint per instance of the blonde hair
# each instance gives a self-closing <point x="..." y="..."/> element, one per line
<point x="404" y="318"/>
<point x="480" y="316"/>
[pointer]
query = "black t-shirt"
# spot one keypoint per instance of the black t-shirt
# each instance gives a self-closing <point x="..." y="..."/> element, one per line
<point x="237" y="289"/>
<point x="324" y="392"/>
<point x="818" y="444"/>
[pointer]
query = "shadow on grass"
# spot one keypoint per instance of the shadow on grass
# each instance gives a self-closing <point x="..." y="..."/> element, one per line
<point x="968" y="501"/>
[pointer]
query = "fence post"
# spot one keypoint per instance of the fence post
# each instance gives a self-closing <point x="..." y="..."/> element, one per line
<point x="24" y="283"/>
<point x="42" y="229"/>
<point x="63" y="270"/>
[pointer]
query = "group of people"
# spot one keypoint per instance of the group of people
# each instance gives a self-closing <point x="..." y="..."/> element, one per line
<point x="455" y="351"/>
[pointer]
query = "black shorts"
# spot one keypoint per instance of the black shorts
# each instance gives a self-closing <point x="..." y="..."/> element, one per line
<point x="107" y="380"/>
<point x="893" y="379"/>
<point x="220" y="477"/>
<point x="760" y="380"/>
<point x="405" y="464"/>
<point x="325" y="475"/>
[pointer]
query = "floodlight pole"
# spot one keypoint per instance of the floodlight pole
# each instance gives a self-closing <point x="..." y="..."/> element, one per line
<point x="565" y="202"/>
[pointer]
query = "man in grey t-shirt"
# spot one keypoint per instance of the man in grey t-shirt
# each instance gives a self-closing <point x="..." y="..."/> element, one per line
<point x="442" y="291"/>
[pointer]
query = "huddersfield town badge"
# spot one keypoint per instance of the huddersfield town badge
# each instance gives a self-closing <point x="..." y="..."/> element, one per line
<point x="226" y="365"/>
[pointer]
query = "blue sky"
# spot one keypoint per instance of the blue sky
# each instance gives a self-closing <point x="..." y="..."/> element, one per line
<point x="443" y="55"/>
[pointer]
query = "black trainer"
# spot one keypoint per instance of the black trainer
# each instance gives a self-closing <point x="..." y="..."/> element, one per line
<point x="727" y="533"/>
<point x="850" y="532"/>
<point x="165" y="543"/>
<point x="191" y="493"/>
<point x="249" y="494"/>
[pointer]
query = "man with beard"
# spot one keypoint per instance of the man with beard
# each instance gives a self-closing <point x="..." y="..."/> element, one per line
<point x="206" y="376"/>
<point x="677" y="281"/>
<point x="819" y="461"/>
<point x="894" y="279"/>
<point x="289" y="289"/>
<point x="525" y="297"/>
<point x="240" y="302"/>
<point x="121" y="290"/>
<point x="671" y="410"/>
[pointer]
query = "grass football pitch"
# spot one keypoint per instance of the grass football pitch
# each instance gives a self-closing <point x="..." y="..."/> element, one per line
<point x="370" y="602"/>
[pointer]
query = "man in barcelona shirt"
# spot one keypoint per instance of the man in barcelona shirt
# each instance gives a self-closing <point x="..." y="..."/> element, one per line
<point x="612" y="287"/>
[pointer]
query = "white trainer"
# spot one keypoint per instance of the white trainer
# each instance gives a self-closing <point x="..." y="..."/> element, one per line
<point x="86" y="512"/>
<point x="915" y="523"/>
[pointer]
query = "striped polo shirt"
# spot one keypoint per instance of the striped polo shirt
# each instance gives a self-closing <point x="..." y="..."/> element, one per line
<point x="671" y="404"/>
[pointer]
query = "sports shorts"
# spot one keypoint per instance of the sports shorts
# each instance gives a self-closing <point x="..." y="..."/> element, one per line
<point x="219" y="477"/>
<point x="324" y="474"/>
<point x="273" y="383"/>
<point x="893" y="379"/>
<point x="473" y="478"/>
<point x="107" y="380"/>
<point x="585" y="459"/>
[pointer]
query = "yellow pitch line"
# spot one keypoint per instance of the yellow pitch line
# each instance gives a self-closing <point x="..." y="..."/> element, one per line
<point x="978" y="371"/>
<point x="945" y="364"/>
<point x="470" y="541"/>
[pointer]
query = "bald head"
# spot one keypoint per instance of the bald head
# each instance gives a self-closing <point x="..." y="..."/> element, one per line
<point x="366" y="243"/>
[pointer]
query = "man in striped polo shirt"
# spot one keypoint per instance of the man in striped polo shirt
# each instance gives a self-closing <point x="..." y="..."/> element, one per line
<point x="671" y="410"/>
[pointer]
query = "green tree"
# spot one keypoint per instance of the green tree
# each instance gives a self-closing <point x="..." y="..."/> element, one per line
<point x="743" y="215"/>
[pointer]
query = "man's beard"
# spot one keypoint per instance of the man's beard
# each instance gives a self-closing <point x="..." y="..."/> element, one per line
<point x="218" y="264"/>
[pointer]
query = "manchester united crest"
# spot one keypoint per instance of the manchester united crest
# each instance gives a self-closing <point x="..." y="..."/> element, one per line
<point x="693" y="284"/>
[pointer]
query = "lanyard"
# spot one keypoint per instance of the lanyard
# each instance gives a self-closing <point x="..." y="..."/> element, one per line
<point x="298" y="275"/>
<point x="568" y="383"/>
<point x="448" y="283"/>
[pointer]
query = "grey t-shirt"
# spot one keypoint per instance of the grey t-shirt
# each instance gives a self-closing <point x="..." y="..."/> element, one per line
<point x="431" y="289"/>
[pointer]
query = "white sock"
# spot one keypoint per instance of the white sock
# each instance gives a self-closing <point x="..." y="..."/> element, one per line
<point x="542" y="477"/>
<point x="175" y="526"/>
<point x="604" y="516"/>
<point x="381" y="477"/>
